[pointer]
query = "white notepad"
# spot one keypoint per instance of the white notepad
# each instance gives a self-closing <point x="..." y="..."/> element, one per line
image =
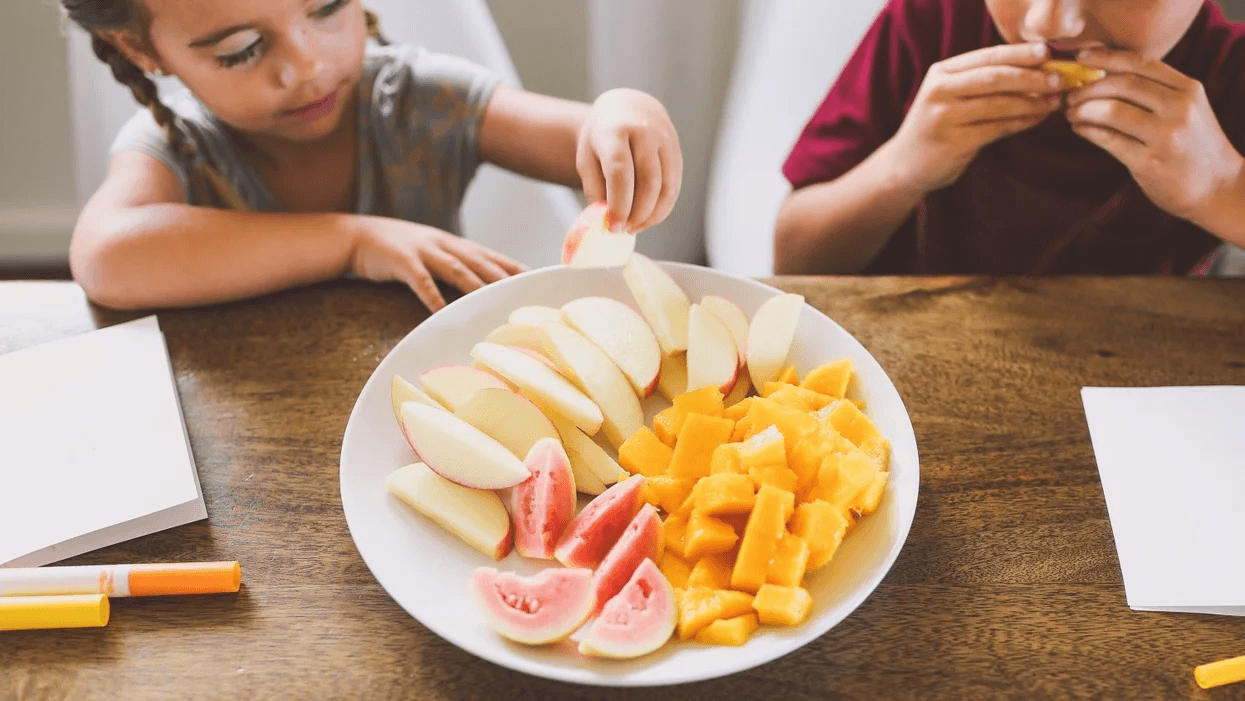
<point x="93" y="448"/>
<point x="1172" y="462"/>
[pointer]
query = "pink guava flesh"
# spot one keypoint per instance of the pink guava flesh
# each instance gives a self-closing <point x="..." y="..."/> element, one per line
<point x="641" y="540"/>
<point x="637" y="620"/>
<point x="598" y="526"/>
<point x="544" y="608"/>
<point x="542" y="505"/>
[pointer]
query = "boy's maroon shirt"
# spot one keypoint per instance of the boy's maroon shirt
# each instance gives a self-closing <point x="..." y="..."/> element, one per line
<point x="1042" y="201"/>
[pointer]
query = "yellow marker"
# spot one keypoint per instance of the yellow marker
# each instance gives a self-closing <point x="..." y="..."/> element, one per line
<point x="1220" y="673"/>
<point x="33" y="612"/>
<point x="1074" y="74"/>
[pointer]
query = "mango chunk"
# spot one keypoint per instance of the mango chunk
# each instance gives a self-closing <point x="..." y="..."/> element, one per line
<point x="674" y="528"/>
<point x="706" y="400"/>
<point x="666" y="492"/>
<point x="725" y="459"/>
<point x="675" y="569"/>
<point x="850" y="421"/>
<point x="765" y="449"/>
<point x="706" y="535"/>
<point x="700" y="606"/>
<point x="738" y="410"/>
<point x="698" y="437"/>
<point x="868" y="500"/>
<point x="729" y="631"/>
<point x="666" y="425"/>
<point x="822" y="527"/>
<point x="789" y="562"/>
<point x="791" y="423"/>
<point x="782" y="606"/>
<point x="798" y="397"/>
<point x="806" y="457"/>
<point x="844" y="477"/>
<point x="831" y="378"/>
<point x="724" y="493"/>
<point x="789" y="376"/>
<point x="712" y="571"/>
<point x="765" y="526"/>
<point x="644" y="454"/>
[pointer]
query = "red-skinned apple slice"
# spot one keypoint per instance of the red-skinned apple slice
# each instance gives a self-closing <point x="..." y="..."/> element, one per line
<point x="673" y="378"/>
<point x="592" y="371"/>
<point x="476" y="516"/>
<point x="712" y="359"/>
<point x="527" y="336"/>
<point x="541" y="384"/>
<point x="458" y="451"/>
<point x="453" y="385"/>
<point x="662" y="302"/>
<point x="770" y="337"/>
<point x="641" y="540"/>
<point x="730" y="314"/>
<point x="543" y="504"/>
<point x="596" y="528"/>
<point x="544" y="608"/>
<point x="593" y="467"/>
<point x="508" y="418"/>
<point x="534" y="314"/>
<point x="638" y="620"/>
<point x="401" y="392"/>
<point x="592" y="241"/>
<point x="741" y="390"/>
<point x="623" y="334"/>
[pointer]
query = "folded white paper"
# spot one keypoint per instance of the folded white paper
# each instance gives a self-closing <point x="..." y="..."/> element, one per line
<point x="1172" y="463"/>
<point x="93" y="447"/>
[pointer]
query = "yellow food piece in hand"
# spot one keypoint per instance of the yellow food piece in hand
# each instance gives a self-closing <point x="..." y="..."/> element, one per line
<point x="1074" y="74"/>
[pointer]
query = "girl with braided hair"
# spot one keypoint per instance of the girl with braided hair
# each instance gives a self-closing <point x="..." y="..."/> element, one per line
<point x="300" y="152"/>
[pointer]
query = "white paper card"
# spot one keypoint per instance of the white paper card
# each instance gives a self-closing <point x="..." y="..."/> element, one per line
<point x="93" y="448"/>
<point x="1172" y="463"/>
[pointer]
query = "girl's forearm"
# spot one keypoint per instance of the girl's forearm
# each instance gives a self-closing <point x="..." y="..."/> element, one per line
<point x="166" y="254"/>
<point x="533" y="135"/>
<point x="842" y="225"/>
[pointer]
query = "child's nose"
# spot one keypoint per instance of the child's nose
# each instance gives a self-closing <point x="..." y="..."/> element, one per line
<point x="1055" y="19"/>
<point x="303" y="58"/>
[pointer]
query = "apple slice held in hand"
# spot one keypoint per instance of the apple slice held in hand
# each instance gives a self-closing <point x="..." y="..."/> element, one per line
<point x="593" y="242"/>
<point x="592" y="371"/>
<point x="454" y="385"/>
<point x="770" y="337"/>
<point x="458" y="451"/>
<point x="543" y="385"/>
<point x="476" y="516"/>
<point x="509" y="419"/>
<point x="662" y="302"/>
<point x="712" y="359"/>
<point x="542" y="505"/>
<point x="623" y="334"/>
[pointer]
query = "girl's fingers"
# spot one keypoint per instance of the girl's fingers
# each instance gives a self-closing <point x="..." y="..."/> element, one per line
<point x="1125" y="148"/>
<point x="988" y="132"/>
<point x="448" y="267"/>
<point x="671" y="182"/>
<point x="1119" y="116"/>
<point x="994" y="108"/>
<point x="476" y="258"/>
<point x="619" y="170"/>
<point x="416" y="276"/>
<point x="1117" y="61"/>
<point x="1128" y="87"/>
<point x="508" y="264"/>
<point x="990" y="80"/>
<point x="1003" y="54"/>
<point x="589" y="169"/>
<point x="648" y="180"/>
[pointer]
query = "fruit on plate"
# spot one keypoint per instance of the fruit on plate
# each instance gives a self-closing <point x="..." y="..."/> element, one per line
<point x="401" y="391"/>
<point x="458" y="451"/>
<point x="596" y="528"/>
<point x="592" y="371"/>
<point x="596" y="241"/>
<point x="712" y="358"/>
<point x="623" y="334"/>
<point x="527" y="336"/>
<point x="537" y="610"/>
<point x="770" y="336"/>
<point x="533" y="315"/>
<point x="509" y="419"/>
<point x="540" y="383"/>
<point x="476" y="516"/>
<point x="662" y="302"/>
<point x="454" y="385"/>
<point x="637" y="620"/>
<point x="542" y="505"/>
<point x="594" y="468"/>
<point x="641" y="540"/>
<point x="672" y="380"/>
<point x="735" y="319"/>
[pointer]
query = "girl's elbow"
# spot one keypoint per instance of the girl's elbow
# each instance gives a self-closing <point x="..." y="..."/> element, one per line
<point x="91" y="264"/>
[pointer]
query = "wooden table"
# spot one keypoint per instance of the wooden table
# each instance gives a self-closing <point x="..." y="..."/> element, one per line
<point x="1008" y="585"/>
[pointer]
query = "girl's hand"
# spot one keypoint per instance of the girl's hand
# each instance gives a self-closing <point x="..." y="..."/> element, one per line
<point x="1157" y="122"/>
<point x="392" y="249"/>
<point x="967" y="102"/>
<point x="628" y="155"/>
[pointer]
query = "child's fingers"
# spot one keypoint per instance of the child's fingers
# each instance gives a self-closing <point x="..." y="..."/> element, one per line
<point x="671" y="183"/>
<point x="511" y="266"/>
<point x="648" y="180"/>
<point x="989" y="80"/>
<point x="1118" y="61"/>
<point x="619" y="170"/>
<point x="1003" y="54"/>
<point x="476" y="257"/>
<point x="589" y="169"/>
<point x="1146" y="94"/>
<point x="448" y="267"/>
<point x="1119" y="116"/>
<point x="988" y="132"/>
<point x="993" y="108"/>
<point x="416" y="276"/>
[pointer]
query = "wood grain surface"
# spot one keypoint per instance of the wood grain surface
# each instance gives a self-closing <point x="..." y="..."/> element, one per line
<point x="1008" y="585"/>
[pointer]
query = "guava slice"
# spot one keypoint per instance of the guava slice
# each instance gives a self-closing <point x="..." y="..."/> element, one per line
<point x="597" y="527"/>
<point x="544" y="608"/>
<point x="637" y="620"/>
<point x="542" y="505"/>
<point x="641" y="540"/>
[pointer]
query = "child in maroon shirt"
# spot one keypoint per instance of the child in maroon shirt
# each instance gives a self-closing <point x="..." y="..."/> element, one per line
<point x="945" y="147"/>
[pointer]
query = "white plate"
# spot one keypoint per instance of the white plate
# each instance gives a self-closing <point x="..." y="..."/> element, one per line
<point x="426" y="570"/>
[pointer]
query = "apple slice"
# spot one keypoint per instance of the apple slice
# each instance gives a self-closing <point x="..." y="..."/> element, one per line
<point x="592" y="241"/>
<point x="662" y="302"/>
<point x="712" y="359"/>
<point x="623" y="334"/>
<point x="401" y="392"/>
<point x="527" y="336"/>
<point x="484" y="368"/>
<point x="741" y="390"/>
<point x="770" y="337"/>
<point x="592" y="371"/>
<point x="458" y="451"/>
<point x="541" y="384"/>
<point x="454" y="385"/>
<point x="476" y="516"/>
<point x="588" y="459"/>
<point x="673" y="378"/>
<point x="730" y="314"/>
<point x="509" y="419"/>
<point x="533" y="314"/>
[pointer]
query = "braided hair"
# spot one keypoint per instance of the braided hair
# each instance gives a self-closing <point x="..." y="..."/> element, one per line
<point x="95" y="16"/>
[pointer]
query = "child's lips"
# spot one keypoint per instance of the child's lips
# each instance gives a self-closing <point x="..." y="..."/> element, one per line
<point x="314" y="110"/>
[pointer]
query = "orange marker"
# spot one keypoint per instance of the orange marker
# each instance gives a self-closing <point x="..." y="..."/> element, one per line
<point x="123" y="580"/>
